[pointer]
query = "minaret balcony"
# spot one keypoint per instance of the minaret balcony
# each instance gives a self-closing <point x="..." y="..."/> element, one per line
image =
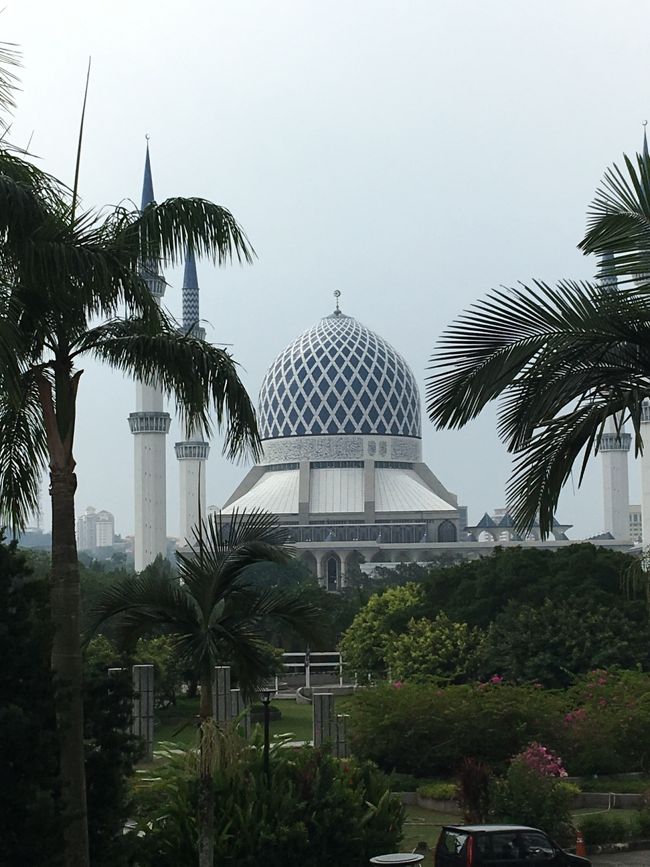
<point x="149" y="422"/>
<point x="192" y="451"/>
<point x="155" y="283"/>
<point x="196" y="331"/>
<point x="613" y="442"/>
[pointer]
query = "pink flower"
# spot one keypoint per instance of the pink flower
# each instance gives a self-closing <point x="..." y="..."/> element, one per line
<point x="496" y="678"/>
<point x="398" y="684"/>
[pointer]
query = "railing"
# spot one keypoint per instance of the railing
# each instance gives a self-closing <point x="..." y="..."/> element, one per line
<point x="296" y="663"/>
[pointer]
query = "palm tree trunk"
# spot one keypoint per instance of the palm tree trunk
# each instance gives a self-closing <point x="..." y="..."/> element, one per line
<point x="205" y="812"/>
<point x="66" y="664"/>
<point x="65" y="607"/>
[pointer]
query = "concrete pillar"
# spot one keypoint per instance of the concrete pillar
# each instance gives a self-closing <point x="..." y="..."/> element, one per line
<point x="221" y="699"/>
<point x="239" y="710"/>
<point x="324" y="722"/>
<point x="303" y="492"/>
<point x="369" y="514"/>
<point x="143" y="706"/>
<point x="342" y="749"/>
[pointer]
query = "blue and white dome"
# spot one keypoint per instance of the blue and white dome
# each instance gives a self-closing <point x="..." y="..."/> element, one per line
<point x="339" y="378"/>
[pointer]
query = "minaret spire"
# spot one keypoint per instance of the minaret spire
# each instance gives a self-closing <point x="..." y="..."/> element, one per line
<point x="190" y="294"/>
<point x="149" y="424"/>
<point x="193" y="452"/>
<point x="147" y="184"/>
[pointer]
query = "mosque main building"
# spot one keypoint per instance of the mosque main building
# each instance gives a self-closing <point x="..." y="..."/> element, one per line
<point x="340" y="422"/>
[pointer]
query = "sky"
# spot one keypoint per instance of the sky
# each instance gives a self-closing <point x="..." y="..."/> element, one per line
<point x="412" y="154"/>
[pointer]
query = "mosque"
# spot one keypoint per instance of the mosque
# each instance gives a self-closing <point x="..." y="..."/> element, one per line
<point x="342" y="464"/>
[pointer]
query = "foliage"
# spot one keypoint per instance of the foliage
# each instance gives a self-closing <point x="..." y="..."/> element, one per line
<point x="477" y="591"/>
<point x="527" y="797"/>
<point x="429" y="730"/>
<point x="437" y="649"/>
<point x="101" y="653"/>
<point x="211" y="611"/>
<point x="376" y="626"/>
<point x="29" y="805"/>
<point x="607" y="724"/>
<point x="547" y="617"/>
<point x="30" y="808"/>
<point x="111" y="752"/>
<point x="604" y="828"/>
<point x="315" y="811"/>
<point x="438" y="791"/>
<point x="551" y="644"/>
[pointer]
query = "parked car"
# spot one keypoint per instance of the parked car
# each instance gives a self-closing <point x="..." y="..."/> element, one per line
<point x="501" y="846"/>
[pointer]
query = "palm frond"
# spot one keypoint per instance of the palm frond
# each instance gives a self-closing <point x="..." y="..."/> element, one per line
<point x="146" y="600"/>
<point x="563" y="359"/>
<point x="224" y="547"/>
<point x="23" y="451"/>
<point x="201" y="378"/>
<point x="618" y="222"/>
<point x="165" y="231"/>
<point x="9" y="60"/>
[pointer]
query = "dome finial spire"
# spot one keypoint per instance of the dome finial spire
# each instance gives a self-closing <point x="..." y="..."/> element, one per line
<point x="337" y="295"/>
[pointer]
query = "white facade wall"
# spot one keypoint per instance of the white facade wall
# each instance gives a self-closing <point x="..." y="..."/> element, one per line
<point x="104" y="530"/>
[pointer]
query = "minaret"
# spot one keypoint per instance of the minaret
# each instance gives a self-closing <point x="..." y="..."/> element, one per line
<point x="193" y="453"/>
<point x="614" y="447"/>
<point x="150" y="425"/>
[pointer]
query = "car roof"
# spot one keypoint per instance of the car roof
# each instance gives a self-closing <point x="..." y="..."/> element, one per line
<point x="488" y="828"/>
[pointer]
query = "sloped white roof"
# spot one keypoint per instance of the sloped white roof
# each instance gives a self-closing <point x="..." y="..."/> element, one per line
<point x="401" y="490"/>
<point x="336" y="489"/>
<point x="276" y="492"/>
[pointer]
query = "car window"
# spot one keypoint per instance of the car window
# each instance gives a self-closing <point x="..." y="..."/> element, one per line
<point x="535" y="846"/>
<point x="453" y="842"/>
<point x="505" y="846"/>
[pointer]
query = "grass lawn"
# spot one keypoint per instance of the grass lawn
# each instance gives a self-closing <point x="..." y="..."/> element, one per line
<point x="424" y="825"/>
<point x="296" y="719"/>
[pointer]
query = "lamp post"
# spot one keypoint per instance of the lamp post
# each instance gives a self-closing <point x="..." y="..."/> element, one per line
<point x="266" y="701"/>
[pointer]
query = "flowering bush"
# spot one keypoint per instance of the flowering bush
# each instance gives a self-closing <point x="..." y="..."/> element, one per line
<point x="528" y="797"/>
<point x="607" y="725"/>
<point x="542" y="760"/>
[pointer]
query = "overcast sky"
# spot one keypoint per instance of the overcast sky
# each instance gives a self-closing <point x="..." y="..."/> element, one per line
<point x="412" y="154"/>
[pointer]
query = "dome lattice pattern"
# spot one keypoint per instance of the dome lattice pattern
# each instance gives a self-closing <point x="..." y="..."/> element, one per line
<point x="339" y="378"/>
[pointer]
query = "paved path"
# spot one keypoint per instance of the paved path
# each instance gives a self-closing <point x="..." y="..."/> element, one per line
<point x="623" y="859"/>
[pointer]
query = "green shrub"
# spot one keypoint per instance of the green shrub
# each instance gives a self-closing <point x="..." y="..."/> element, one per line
<point x="607" y="724"/>
<point x="643" y="823"/>
<point x="439" y="791"/>
<point x="427" y="731"/>
<point x="526" y="797"/>
<point x="604" y="828"/>
<point x="315" y="811"/>
<point x="404" y="782"/>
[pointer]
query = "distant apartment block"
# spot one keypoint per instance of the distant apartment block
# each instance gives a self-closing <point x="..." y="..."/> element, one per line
<point x="636" y="524"/>
<point x="95" y="530"/>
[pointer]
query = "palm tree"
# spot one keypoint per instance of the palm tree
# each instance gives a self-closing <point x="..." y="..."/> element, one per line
<point x="216" y="615"/>
<point x="65" y="275"/>
<point x="563" y="359"/>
